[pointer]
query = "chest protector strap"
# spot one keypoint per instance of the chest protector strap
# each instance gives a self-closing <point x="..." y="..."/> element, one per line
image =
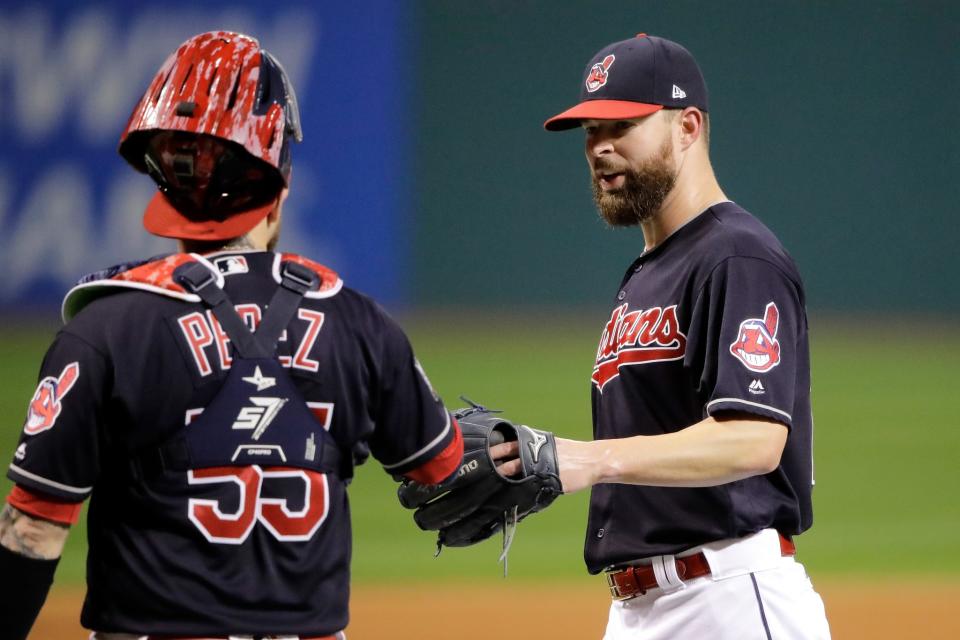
<point x="258" y="416"/>
<point x="296" y="281"/>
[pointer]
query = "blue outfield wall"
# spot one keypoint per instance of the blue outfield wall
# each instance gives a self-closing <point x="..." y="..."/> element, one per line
<point x="70" y="74"/>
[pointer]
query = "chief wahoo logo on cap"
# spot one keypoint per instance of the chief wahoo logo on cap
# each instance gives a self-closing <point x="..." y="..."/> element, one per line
<point x="599" y="73"/>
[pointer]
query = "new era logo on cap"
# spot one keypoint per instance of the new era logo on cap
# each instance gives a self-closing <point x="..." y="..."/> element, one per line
<point x="678" y="93"/>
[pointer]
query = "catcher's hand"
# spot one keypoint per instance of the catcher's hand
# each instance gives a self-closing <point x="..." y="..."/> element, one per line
<point x="477" y="502"/>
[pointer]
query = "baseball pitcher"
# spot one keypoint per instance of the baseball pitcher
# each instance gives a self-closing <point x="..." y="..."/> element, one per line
<point x="701" y="468"/>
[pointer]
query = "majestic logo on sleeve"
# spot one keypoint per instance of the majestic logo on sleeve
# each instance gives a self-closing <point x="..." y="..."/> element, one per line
<point x="599" y="73"/>
<point x="637" y="337"/>
<point x="756" y="345"/>
<point x="46" y="405"/>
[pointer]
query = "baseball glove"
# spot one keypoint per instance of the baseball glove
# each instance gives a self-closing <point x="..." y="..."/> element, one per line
<point x="479" y="501"/>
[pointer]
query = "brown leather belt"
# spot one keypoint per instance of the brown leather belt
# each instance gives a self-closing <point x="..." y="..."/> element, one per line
<point x="635" y="580"/>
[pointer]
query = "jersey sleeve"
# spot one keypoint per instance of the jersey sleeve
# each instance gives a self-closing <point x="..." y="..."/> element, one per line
<point x="58" y="452"/>
<point x="746" y="324"/>
<point x="415" y="435"/>
<point x="44" y="507"/>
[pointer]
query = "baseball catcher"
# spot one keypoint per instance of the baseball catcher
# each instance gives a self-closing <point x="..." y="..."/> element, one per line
<point x="213" y="402"/>
<point x="508" y="472"/>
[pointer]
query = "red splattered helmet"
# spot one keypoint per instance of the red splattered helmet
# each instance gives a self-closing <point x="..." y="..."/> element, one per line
<point x="213" y="130"/>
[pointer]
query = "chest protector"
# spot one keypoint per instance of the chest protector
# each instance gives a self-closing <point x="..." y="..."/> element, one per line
<point x="257" y="416"/>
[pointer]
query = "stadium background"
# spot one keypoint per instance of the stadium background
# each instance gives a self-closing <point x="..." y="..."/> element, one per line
<point x="426" y="180"/>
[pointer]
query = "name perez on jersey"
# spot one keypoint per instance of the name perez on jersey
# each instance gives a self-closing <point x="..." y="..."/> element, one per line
<point x="204" y="335"/>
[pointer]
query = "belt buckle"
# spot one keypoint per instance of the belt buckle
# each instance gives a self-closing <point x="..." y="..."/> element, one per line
<point x="615" y="588"/>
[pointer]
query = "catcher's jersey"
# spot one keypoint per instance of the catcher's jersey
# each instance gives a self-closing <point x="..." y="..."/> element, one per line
<point x="250" y="548"/>
<point x="711" y="320"/>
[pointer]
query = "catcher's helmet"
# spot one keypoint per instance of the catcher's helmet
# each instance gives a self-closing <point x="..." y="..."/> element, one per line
<point x="213" y="130"/>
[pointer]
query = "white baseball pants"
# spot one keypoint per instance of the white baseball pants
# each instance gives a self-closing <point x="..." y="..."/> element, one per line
<point x="753" y="592"/>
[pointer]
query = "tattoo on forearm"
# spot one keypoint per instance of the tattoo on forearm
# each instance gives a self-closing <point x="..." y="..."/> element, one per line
<point x="31" y="537"/>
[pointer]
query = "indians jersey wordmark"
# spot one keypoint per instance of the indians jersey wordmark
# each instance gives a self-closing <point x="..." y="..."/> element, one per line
<point x="45" y="407"/>
<point x="636" y="337"/>
<point x="756" y="345"/>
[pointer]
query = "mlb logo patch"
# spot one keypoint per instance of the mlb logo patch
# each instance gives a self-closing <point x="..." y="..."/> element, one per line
<point x="230" y="265"/>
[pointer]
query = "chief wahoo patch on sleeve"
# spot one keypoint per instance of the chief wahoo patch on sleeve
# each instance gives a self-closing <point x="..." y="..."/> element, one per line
<point x="756" y="345"/>
<point x="46" y="405"/>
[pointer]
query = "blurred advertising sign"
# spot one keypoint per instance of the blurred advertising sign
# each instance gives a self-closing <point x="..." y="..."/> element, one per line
<point x="70" y="73"/>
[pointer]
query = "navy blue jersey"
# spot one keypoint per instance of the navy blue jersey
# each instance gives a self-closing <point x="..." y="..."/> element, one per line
<point x="711" y="320"/>
<point x="240" y="547"/>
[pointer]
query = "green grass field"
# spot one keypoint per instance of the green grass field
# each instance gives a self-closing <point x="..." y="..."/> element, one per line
<point x="887" y="445"/>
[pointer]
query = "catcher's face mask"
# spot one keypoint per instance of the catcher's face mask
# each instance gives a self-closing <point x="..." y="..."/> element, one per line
<point x="206" y="178"/>
<point x="208" y="188"/>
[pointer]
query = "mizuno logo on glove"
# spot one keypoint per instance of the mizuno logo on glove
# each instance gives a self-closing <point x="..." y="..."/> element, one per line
<point x="536" y="444"/>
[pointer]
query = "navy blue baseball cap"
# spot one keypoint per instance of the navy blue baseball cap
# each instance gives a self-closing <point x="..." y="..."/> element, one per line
<point x="634" y="78"/>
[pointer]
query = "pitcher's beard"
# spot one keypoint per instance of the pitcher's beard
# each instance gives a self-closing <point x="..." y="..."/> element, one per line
<point x="642" y="193"/>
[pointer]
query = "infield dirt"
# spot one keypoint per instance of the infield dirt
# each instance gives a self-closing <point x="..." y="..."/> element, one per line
<point x="857" y="610"/>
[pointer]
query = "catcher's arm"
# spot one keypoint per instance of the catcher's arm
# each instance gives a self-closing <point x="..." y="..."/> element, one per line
<point x="30" y="548"/>
<point x="31" y="537"/>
